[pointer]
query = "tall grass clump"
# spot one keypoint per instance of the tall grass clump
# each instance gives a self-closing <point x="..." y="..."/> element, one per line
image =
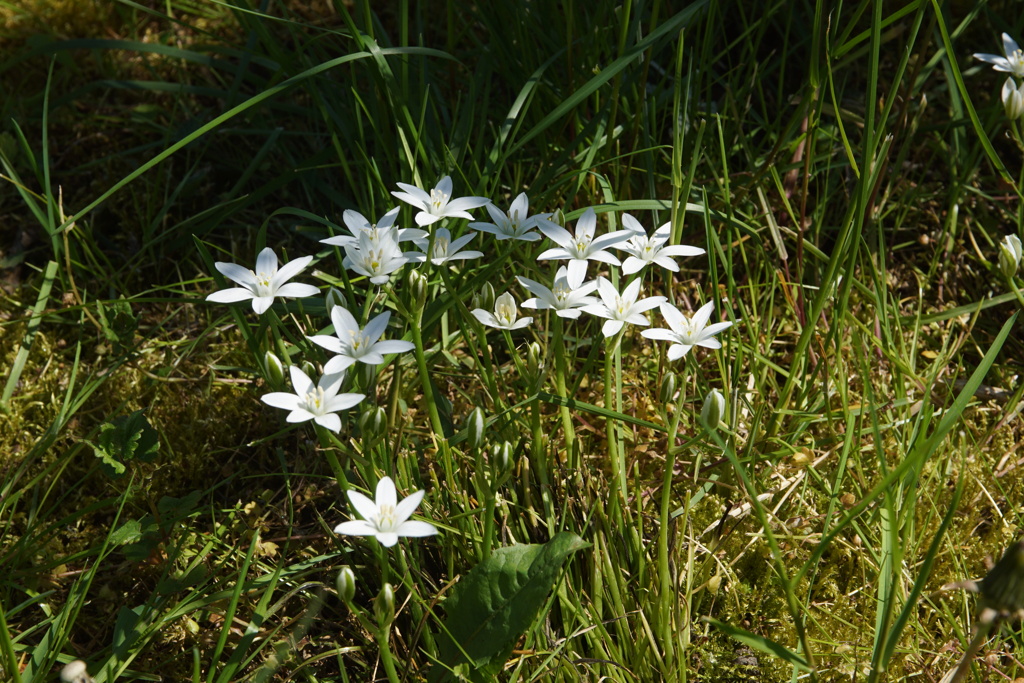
<point x="510" y="341"/>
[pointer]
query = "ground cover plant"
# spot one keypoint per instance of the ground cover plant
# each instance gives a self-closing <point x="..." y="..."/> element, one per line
<point x="511" y="341"/>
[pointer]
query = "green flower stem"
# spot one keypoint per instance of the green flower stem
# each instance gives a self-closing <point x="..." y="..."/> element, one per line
<point x="666" y="596"/>
<point x="416" y="606"/>
<point x="560" y="362"/>
<point x="383" y="635"/>
<point x="323" y="435"/>
<point x="428" y="394"/>
<point x="612" y="401"/>
<point x="1016" y="290"/>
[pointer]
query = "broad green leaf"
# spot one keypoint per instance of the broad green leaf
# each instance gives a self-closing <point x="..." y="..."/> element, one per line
<point x="497" y="602"/>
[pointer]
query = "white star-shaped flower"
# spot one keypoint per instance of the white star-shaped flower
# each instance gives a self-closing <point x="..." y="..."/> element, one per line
<point x="644" y="250"/>
<point x="354" y="344"/>
<point x="516" y="225"/>
<point x="505" y="314"/>
<point x="377" y="255"/>
<point x="358" y="224"/>
<point x="385" y="518"/>
<point x="621" y="308"/>
<point x="582" y="247"/>
<point x="263" y="284"/>
<point x="318" y="403"/>
<point x="565" y="301"/>
<point x="1011" y="61"/>
<point x="439" y="203"/>
<point x="685" y="333"/>
<point x="445" y="249"/>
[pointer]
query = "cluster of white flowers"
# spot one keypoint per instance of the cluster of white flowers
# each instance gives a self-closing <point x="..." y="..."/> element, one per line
<point x="373" y="250"/>
<point x="1011" y="62"/>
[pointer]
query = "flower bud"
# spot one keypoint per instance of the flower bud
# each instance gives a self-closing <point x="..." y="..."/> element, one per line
<point x="714" y="408"/>
<point x="475" y="424"/>
<point x="384" y="606"/>
<point x="346" y="584"/>
<point x="558" y="218"/>
<point x="668" y="387"/>
<point x="534" y="361"/>
<point x="1009" y="255"/>
<point x="334" y="298"/>
<point x="75" y="672"/>
<point x="373" y="423"/>
<point x="485" y="297"/>
<point x="275" y="370"/>
<point x="416" y="283"/>
<point x="1013" y="99"/>
<point x="308" y="368"/>
<point x="501" y="458"/>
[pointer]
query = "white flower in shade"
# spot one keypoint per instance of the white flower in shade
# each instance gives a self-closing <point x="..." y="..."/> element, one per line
<point x="565" y="301"/>
<point x="644" y="250"/>
<point x="439" y="203"/>
<point x="385" y="518"/>
<point x="1013" y="99"/>
<point x="582" y="247"/>
<point x="358" y="224"/>
<point x="1011" y="61"/>
<point x="377" y="255"/>
<point x="263" y="284"/>
<point x="685" y="333"/>
<point x="504" y="316"/>
<point x="445" y="249"/>
<point x="621" y="308"/>
<point x="517" y="225"/>
<point x="318" y="403"/>
<point x="354" y="344"/>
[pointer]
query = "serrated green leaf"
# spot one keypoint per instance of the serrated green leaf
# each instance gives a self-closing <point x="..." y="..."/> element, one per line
<point x="129" y="532"/>
<point x="123" y="439"/>
<point x="496" y="602"/>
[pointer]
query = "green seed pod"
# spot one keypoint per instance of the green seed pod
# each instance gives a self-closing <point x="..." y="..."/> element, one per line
<point x="668" y="387"/>
<point x="713" y="410"/>
<point x="384" y="606"/>
<point x="346" y="584"/>
<point x="475" y="424"/>
<point x="275" y="370"/>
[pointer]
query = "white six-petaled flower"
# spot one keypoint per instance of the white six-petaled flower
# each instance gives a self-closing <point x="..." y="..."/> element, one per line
<point x="504" y="316"/>
<point x="439" y="203"/>
<point x="1011" y="61"/>
<point x="621" y="308"/>
<point x="644" y="250"/>
<point x="582" y="247"/>
<point x="516" y="225"/>
<point x="357" y="224"/>
<point x="685" y="333"/>
<point x="354" y="344"/>
<point x="377" y="255"/>
<point x="318" y="403"/>
<point x="565" y="301"/>
<point x="445" y="248"/>
<point x="385" y="518"/>
<point x="263" y="284"/>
